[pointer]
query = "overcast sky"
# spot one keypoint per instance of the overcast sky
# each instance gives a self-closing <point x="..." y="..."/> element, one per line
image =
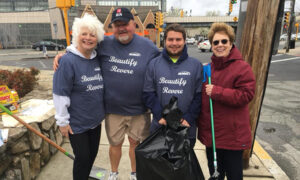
<point x="200" y="7"/>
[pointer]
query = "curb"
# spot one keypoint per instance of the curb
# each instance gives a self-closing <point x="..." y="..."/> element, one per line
<point x="269" y="163"/>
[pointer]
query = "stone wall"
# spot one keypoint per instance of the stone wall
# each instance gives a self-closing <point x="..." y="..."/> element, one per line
<point x="23" y="156"/>
<point x="25" y="153"/>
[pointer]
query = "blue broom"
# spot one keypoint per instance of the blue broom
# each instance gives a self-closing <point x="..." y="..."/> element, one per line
<point x="207" y="71"/>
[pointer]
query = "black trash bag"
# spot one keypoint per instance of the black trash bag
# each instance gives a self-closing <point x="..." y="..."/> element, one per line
<point x="166" y="154"/>
<point x="172" y="114"/>
<point x="162" y="158"/>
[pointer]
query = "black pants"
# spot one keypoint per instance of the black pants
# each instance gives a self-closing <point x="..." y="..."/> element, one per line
<point x="230" y="163"/>
<point x="85" y="148"/>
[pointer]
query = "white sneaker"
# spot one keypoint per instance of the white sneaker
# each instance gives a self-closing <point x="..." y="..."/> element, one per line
<point x="132" y="176"/>
<point x="113" y="176"/>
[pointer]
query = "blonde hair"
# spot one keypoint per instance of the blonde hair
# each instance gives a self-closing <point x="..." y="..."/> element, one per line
<point x="221" y="27"/>
<point x="90" y="22"/>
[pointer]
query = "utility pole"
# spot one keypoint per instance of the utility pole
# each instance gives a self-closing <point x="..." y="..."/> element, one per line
<point x="256" y="47"/>
<point x="278" y="27"/>
<point x="290" y="25"/>
<point x="65" y="5"/>
<point x="240" y="26"/>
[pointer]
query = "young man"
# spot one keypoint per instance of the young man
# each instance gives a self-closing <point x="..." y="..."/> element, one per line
<point x="124" y="58"/>
<point x="174" y="73"/>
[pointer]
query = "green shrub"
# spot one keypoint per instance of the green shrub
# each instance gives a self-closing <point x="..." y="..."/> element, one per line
<point x="21" y="80"/>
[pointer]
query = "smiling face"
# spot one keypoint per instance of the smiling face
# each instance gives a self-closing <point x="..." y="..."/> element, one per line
<point x="123" y="31"/>
<point x="87" y="41"/>
<point x="221" y="49"/>
<point x="174" y="43"/>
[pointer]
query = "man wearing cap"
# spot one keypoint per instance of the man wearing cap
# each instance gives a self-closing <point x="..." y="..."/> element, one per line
<point x="124" y="58"/>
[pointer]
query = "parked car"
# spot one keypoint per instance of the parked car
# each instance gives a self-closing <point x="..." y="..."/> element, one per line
<point x="293" y="36"/>
<point x="190" y="41"/>
<point x="50" y="46"/>
<point x="204" y="46"/>
<point x="283" y="37"/>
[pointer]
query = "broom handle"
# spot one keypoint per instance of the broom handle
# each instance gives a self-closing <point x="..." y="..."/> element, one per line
<point x="36" y="132"/>
<point x="212" y="125"/>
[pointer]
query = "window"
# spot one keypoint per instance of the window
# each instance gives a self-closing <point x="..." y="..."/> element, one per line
<point x="106" y="3"/>
<point x="23" y="5"/>
<point x="149" y="3"/>
<point x="13" y="35"/>
<point x="5" y="6"/>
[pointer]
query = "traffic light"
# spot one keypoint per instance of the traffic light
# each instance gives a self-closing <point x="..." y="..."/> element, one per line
<point x="181" y="13"/>
<point x="156" y="19"/>
<point x="161" y="19"/>
<point x="235" y="19"/>
<point x="233" y="2"/>
<point x="65" y="3"/>
<point x="230" y="7"/>
<point x="287" y="18"/>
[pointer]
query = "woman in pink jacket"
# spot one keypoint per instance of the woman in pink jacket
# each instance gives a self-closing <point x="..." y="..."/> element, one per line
<point x="231" y="89"/>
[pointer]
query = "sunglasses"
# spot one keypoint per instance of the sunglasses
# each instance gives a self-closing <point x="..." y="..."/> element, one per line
<point x="223" y="41"/>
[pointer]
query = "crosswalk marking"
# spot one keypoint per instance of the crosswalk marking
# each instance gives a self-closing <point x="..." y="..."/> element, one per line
<point x="288" y="59"/>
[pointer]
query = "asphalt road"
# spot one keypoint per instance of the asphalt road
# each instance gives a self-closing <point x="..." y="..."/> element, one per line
<point x="26" y="58"/>
<point x="278" y="129"/>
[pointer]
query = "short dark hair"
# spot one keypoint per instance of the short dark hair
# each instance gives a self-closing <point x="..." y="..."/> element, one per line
<point x="177" y="28"/>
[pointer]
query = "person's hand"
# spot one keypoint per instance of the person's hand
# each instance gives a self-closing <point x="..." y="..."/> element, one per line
<point x="185" y="123"/>
<point x="208" y="89"/>
<point x="65" y="130"/>
<point x="56" y="61"/>
<point x="162" y="121"/>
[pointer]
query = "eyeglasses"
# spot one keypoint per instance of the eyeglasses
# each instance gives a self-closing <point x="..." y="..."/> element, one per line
<point x="223" y="41"/>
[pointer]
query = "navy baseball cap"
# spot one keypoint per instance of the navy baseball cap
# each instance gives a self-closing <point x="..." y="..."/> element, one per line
<point x="121" y="14"/>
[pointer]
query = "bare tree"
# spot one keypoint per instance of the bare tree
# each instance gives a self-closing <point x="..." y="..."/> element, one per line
<point x="175" y="12"/>
<point x="203" y="32"/>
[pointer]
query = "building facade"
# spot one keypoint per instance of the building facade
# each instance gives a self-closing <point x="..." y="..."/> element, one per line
<point x="143" y="17"/>
<point x="24" y="22"/>
<point x="161" y="4"/>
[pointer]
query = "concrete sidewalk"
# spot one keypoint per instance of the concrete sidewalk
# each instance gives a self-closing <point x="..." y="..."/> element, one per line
<point x="262" y="166"/>
<point x="293" y="52"/>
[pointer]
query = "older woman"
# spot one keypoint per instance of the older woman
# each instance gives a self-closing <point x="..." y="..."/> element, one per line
<point x="232" y="88"/>
<point x="78" y="94"/>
